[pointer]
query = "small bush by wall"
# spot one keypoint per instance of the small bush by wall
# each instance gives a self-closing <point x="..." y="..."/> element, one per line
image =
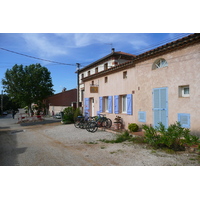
<point x="133" y="127"/>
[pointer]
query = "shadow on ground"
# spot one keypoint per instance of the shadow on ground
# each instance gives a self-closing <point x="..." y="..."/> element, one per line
<point x="45" y="122"/>
<point x="8" y="147"/>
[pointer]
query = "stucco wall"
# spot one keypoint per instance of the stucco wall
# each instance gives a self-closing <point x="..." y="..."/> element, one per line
<point x="183" y="69"/>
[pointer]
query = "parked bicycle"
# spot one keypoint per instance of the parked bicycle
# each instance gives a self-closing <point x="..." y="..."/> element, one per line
<point x="98" y="121"/>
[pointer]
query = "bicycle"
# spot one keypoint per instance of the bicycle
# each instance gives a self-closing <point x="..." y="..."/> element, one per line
<point x="82" y="121"/>
<point x="98" y="121"/>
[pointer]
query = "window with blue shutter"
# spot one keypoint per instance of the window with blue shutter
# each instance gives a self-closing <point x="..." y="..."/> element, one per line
<point x="184" y="119"/>
<point x="129" y="104"/>
<point x="100" y="104"/>
<point x="116" y="104"/>
<point x="86" y="106"/>
<point x="142" y="116"/>
<point x="110" y="104"/>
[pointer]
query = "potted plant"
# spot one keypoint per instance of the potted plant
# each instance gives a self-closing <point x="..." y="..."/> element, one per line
<point x="118" y="122"/>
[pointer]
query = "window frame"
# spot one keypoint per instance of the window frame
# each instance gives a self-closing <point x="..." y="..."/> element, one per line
<point x="124" y="74"/>
<point x="159" y="64"/>
<point x="123" y="99"/>
<point x="106" y="79"/>
<point x="182" y="91"/>
<point x="105" y="104"/>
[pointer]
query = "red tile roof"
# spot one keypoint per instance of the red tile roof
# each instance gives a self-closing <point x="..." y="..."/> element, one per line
<point x="63" y="99"/>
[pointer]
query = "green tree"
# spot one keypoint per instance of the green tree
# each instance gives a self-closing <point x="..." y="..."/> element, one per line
<point x="27" y="85"/>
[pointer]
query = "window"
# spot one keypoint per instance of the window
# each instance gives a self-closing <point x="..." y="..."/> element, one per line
<point x="124" y="74"/>
<point x="184" y="91"/>
<point x="105" y="66"/>
<point x="123" y="103"/>
<point x="159" y="63"/>
<point x="105" y="104"/>
<point x="88" y="73"/>
<point x="92" y="82"/>
<point x="106" y="79"/>
<point x="96" y="70"/>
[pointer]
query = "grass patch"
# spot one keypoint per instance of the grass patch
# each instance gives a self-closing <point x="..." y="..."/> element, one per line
<point x="120" y="138"/>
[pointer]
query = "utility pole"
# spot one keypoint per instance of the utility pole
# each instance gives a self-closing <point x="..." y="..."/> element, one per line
<point x="2" y="102"/>
<point x="78" y="67"/>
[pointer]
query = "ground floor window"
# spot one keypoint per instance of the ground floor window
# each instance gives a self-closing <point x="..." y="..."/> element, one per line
<point x="105" y="104"/>
<point x="123" y="104"/>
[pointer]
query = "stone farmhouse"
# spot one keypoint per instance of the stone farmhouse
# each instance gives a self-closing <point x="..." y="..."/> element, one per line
<point x="160" y="85"/>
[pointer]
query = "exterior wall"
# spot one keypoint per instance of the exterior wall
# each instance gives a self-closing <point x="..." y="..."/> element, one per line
<point x="56" y="109"/>
<point x="101" y="67"/>
<point x="116" y="85"/>
<point x="183" y="69"/>
<point x="111" y="63"/>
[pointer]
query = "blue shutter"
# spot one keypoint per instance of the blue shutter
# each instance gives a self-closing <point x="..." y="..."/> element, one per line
<point x="160" y="106"/>
<point x="116" y="104"/>
<point x="100" y="104"/>
<point x="129" y="104"/>
<point x="184" y="119"/>
<point x="110" y="104"/>
<point x="87" y="106"/>
<point x="141" y="116"/>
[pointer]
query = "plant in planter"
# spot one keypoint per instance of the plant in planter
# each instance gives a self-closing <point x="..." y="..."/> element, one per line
<point x="118" y="122"/>
<point x="133" y="127"/>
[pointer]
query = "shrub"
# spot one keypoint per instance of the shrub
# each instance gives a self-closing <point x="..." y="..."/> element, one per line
<point x="120" y="138"/>
<point x="174" y="137"/>
<point x="68" y="115"/>
<point x="133" y="127"/>
<point x="77" y="113"/>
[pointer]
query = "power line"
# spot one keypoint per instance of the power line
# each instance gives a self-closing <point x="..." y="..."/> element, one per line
<point x="162" y="43"/>
<point x="36" y="57"/>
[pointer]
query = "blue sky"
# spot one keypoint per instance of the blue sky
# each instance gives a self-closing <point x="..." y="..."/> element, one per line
<point x="72" y="48"/>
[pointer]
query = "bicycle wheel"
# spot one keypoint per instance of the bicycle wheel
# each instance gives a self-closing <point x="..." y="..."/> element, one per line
<point x="108" y="123"/>
<point x="76" y="124"/>
<point x="92" y="127"/>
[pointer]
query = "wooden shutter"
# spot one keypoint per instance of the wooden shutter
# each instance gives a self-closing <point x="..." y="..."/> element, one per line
<point x="160" y="106"/>
<point x="100" y="104"/>
<point x="141" y="116"/>
<point x="184" y="119"/>
<point x="129" y="104"/>
<point x="110" y="104"/>
<point x="86" y="106"/>
<point x="116" y="104"/>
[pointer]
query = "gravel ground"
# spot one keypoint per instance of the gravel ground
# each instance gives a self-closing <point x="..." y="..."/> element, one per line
<point x="53" y="144"/>
<point x="121" y="154"/>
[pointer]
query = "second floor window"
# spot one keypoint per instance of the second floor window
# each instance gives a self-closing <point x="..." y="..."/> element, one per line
<point x="88" y="73"/>
<point x="96" y="70"/>
<point x="105" y="66"/>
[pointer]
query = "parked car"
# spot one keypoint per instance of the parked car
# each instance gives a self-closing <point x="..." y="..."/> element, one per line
<point x="5" y="113"/>
<point x="57" y="115"/>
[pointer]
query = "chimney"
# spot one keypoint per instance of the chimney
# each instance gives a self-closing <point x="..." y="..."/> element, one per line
<point x="113" y="50"/>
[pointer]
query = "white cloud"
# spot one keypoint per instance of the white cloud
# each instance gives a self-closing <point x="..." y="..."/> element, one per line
<point x="44" y="45"/>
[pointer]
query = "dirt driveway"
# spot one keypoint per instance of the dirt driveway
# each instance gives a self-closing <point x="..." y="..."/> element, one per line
<point x="51" y="144"/>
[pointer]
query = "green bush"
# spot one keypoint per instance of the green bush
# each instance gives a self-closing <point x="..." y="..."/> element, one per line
<point x="68" y="115"/>
<point x="77" y="113"/>
<point x="120" y="138"/>
<point x="174" y="137"/>
<point x="133" y="127"/>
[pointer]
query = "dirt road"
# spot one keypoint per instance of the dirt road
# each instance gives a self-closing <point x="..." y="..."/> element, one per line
<point x="49" y="143"/>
